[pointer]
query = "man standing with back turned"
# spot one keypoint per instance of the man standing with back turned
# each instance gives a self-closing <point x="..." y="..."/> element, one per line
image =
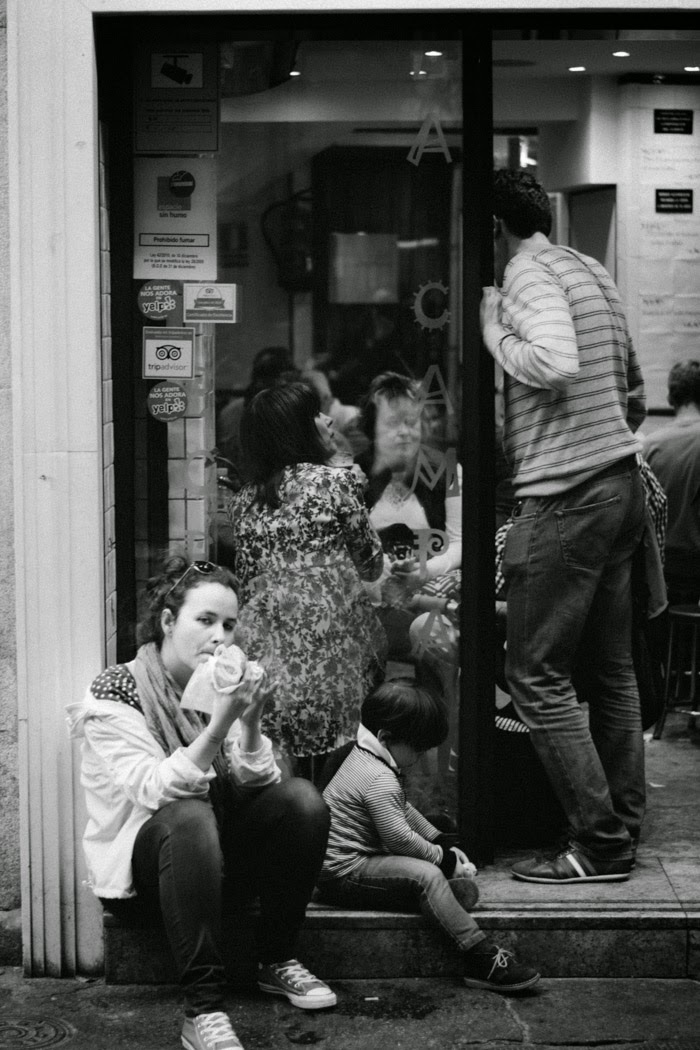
<point x="574" y="397"/>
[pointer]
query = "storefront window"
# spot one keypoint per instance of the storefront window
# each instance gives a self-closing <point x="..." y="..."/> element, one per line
<point x="313" y="232"/>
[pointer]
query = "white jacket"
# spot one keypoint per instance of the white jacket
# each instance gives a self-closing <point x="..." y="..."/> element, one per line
<point x="127" y="777"/>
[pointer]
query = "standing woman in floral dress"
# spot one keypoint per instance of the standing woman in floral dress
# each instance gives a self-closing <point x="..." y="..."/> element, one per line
<point x="303" y="545"/>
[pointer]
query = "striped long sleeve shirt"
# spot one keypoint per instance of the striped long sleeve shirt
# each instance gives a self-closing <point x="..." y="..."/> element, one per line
<point x="574" y="391"/>
<point x="370" y="816"/>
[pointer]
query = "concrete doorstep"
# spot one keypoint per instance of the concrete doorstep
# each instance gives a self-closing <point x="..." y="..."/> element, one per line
<point x="647" y="926"/>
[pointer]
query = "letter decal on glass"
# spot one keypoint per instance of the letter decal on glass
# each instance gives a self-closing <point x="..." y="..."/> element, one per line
<point x="429" y="541"/>
<point x="428" y="396"/>
<point x="424" y="319"/>
<point x="435" y="636"/>
<point x="430" y="468"/>
<point x="422" y="144"/>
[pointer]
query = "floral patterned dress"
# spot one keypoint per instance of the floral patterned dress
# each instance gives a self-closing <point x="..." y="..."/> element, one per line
<point x="304" y="611"/>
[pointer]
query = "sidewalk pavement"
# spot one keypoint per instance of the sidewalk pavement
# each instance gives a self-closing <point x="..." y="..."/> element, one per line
<point x="574" y="1013"/>
<point x="370" y="1015"/>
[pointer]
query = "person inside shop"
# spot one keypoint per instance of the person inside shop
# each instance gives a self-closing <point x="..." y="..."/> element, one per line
<point x="348" y="433"/>
<point x="271" y="365"/>
<point x="304" y="545"/>
<point x="382" y="853"/>
<point x="673" y="453"/>
<point x="574" y="397"/>
<point x="402" y="500"/>
<point x="184" y="808"/>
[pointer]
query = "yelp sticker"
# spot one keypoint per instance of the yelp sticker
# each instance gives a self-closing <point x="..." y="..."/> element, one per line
<point x="159" y="299"/>
<point x="167" y="401"/>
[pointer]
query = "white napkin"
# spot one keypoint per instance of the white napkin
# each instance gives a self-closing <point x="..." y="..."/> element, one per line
<point x="224" y="672"/>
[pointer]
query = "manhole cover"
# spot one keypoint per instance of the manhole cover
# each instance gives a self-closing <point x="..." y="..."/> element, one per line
<point x="31" y="1035"/>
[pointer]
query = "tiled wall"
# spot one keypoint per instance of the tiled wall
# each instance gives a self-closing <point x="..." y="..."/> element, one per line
<point x="192" y="493"/>
<point x="110" y="590"/>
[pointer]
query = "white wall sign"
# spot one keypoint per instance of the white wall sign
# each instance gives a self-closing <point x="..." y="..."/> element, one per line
<point x="176" y="97"/>
<point x="175" y="218"/>
<point x="210" y="302"/>
<point x="168" y="353"/>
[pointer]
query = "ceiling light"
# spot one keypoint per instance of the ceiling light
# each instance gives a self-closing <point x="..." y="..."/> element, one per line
<point x="621" y="54"/>
<point x="577" y="69"/>
<point x="433" y="54"/>
<point x="692" y="69"/>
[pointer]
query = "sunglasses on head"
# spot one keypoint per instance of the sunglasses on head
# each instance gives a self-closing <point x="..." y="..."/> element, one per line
<point x="205" y="568"/>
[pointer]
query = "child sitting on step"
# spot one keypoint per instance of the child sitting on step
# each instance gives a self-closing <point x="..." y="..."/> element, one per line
<point x="382" y="853"/>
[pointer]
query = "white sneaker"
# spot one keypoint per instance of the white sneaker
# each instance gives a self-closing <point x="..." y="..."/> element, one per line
<point x="209" y="1032"/>
<point x="294" y="981"/>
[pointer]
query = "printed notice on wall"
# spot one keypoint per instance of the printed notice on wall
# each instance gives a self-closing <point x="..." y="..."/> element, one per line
<point x="168" y="353"/>
<point x="176" y="106"/>
<point x="175" y="218"/>
<point x="671" y="201"/>
<point x="673" y="122"/>
<point x="211" y="302"/>
<point x="660" y="225"/>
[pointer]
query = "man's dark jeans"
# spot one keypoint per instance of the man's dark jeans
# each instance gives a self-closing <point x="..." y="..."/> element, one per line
<point x="567" y="567"/>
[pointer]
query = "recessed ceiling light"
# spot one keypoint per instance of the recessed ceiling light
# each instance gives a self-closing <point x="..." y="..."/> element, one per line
<point x="295" y="73"/>
<point x="433" y="54"/>
<point x="577" y="69"/>
<point x="621" y="54"/>
<point x="692" y="69"/>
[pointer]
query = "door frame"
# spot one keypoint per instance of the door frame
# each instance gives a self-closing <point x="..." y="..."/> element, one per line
<point x="59" y="327"/>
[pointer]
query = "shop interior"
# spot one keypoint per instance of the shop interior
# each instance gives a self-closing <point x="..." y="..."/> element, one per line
<point x="355" y="258"/>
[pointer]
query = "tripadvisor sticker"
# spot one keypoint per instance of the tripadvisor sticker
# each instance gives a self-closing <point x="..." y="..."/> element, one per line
<point x="159" y="298"/>
<point x="167" y="401"/>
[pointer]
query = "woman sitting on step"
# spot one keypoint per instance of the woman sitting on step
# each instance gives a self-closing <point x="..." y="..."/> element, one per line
<point x="179" y="803"/>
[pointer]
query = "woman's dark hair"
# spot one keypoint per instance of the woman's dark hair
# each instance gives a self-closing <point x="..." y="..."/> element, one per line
<point x="278" y="430"/>
<point x="271" y="365"/>
<point x="521" y="202"/>
<point x="168" y="590"/>
<point x="684" y="384"/>
<point x="408" y="712"/>
<point x="390" y="386"/>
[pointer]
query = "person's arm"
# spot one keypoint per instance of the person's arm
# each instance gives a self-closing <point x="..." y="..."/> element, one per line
<point x="420" y="824"/>
<point x="528" y="329"/>
<point x="385" y="804"/>
<point x="463" y="867"/>
<point x="228" y="707"/>
<point x="636" y="398"/>
<point x="133" y="761"/>
<point x="250" y="755"/>
<point x="361" y="539"/>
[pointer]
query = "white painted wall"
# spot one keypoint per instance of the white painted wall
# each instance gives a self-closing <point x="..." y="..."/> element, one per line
<point x="9" y="783"/>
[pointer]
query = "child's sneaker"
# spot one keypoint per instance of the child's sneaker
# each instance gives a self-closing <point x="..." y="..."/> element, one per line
<point x="295" y="982"/>
<point x="496" y="969"/>
<point x="209" y="1032"/>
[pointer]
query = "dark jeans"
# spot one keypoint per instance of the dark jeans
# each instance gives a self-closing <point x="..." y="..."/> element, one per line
<point x="567" y="566"/>
<point x="272" y="846"/>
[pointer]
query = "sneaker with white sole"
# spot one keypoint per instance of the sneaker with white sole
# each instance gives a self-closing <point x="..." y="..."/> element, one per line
<point x="572" y="865"/>
<point x="294" y="981"/>
<point x="209" y="1032"/>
